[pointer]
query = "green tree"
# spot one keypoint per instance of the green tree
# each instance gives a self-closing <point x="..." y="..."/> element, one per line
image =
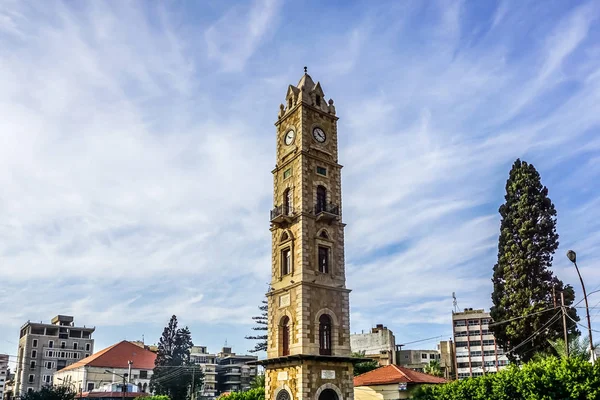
<point x="523" y="283"/>
<point x="252" y="394"/>
<point x="434" y="368"/>
<point x="364" y="366"/>
<point x="174" y="374"/>
<point x="262" y="322"/>
<point x="258" y="382"/>
<point x="579" y="347"/>
<point x="50" y="393"/>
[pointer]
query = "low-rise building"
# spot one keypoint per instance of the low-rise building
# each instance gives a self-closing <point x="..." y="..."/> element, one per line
<point x="391" y="382"/>
<point x="233" y="372"/>
<point x="379" y="345"/>
<point x="208" y="362"/>
<point x="3" y="374"/>
<point x="45" y="349"/>
<point x="417" y="360"/>
<point x="476" y="351"/>
<point x="108" y="366"/>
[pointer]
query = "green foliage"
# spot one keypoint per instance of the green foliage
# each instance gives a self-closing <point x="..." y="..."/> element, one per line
<point x="365" y="366"/>
<point x="548" y="379"/>
<point x="523" y="282"/>
<point x="258" y="382"/>
<point x="157" y="397"/>
<point x="261" y="325"/>
<point x="174" y="375"/>
<point x="434" y="368"/>
<point x="578" y="347"/>
<point x="252" y="394"/>
<point x="51" y="393"/>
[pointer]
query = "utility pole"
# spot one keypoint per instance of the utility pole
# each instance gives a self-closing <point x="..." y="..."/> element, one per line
<point x="124" y="389"/>
<point x="564" y="318"/>
<point x="129" y="372"/>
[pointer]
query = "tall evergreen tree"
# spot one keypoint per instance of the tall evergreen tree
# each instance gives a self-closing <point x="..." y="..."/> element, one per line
<point x="262" y="322"/>
<point x="174" y="374"/>
<point x="523" y="283"/>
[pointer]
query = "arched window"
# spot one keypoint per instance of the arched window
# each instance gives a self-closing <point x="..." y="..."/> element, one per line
<point x="321" y="199"/>
<point x="284" y="332"/>
<point x="328" y="394"/>
<point x="324" y="234"/>
<point x="145" y="387"/>
<point x="318" y="100"/>
<point x="325" y="335"/>
<point x="288" y="202"/>
<point x="284" y="237"/>
<point x="290" y="103"/>
<point x="283" y="395"/>
<point x="139" y="385"/>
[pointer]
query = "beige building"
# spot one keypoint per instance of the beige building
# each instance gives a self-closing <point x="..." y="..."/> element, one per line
<point x="476" y="351"/>
<point x="417" y="359"/>
<point x="108" y="367"/>
<point x="308" y="350"/>
<point x="208" y="362"/>
<point x="45" y="349"/>
<point x="3" y="374"/>
<point x="235" y="372"/>
<point x="379" y="345"/>
<point x="391" y="383"/>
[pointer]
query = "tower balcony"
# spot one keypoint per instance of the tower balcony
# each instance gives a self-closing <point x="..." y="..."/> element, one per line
<point x="327" y="212"/>
<point x="282" y="214"/>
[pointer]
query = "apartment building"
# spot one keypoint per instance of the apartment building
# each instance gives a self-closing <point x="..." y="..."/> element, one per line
<point x="379" y="345"/>
<point x="3" y="373"/>
<point x="47" y="348"/>
<point x="476" y="351"/>
<point x="233" y="372"/>
<point x="416" y="360"/>
<point x="208" y="362"/>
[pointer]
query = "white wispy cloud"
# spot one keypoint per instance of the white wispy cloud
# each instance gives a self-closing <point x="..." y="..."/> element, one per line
<point x="136" y="178"/>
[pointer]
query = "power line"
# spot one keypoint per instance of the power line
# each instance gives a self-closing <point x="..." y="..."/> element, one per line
<point x="550" y="322"/>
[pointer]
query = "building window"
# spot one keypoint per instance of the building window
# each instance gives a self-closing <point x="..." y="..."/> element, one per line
<point x="325" y="335"/>
<point x="318" y="100"/>
<point x="31" y="378"/>
<point x="87" y="347"/>
<point x="288" y="202"/>
<point x="75" y="346"/>
<point x="63" y="345"/>
<point x="324" y="259"/>
<point x="324" y="234"/>
<point x="286" y="261"/>
<point x="322" y="171"/>
<point x="32" y="365"/>
<point x="289" y="103"/>
<point x="49" y="364"/>
<point x="287" y="173"/>
<point x="90" y="386"/>
<point x="424" y="356"/>
<point x="33" y="353"/>
<point x="34" y="343"/>
<point x="432" y="356"/>
<point x="50" y="343"/>
<point x="284" y="328"/>
<point x="30" y="390"/>
<point x="321" y="198"/>
<point x="143" y="374"/>
<point x="87" y="355"/>
<point x="283" y="395"/>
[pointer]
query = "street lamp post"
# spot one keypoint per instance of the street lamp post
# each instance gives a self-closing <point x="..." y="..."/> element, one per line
<point x="124" y="387"/>
<point x="572" y="256"/>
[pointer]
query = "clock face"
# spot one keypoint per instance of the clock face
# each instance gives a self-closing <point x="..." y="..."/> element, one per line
<point x="319" y="135"/>
<point x="289" y="137"/>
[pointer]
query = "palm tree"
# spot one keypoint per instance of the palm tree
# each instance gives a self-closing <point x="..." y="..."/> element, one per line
<point x="258" y="382"/>
<point x="434" y="368"/>
<point x="579" y="347"/>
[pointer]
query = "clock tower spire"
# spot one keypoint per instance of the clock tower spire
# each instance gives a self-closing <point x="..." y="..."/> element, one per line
<point x="308" y="350"/>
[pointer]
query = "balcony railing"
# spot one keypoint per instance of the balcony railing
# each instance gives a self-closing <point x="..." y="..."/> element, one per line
<point x="281" y="213"/>
<point x="327" y="211"/>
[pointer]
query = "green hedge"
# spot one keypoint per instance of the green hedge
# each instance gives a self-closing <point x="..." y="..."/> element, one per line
<point x="252" y="394"/>
<point x="549" y="379"/>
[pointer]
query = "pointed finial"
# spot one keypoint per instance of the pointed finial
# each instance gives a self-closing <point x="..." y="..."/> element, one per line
<point x="305" y="70"/>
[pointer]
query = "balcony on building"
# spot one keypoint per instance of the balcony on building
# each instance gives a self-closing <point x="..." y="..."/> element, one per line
<point x="282" y="214"/>
<point x="327" y="211"/>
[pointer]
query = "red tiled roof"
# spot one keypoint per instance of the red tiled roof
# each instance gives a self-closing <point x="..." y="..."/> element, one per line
<point x="117" y="356"/>
<point x="394" y="374"/>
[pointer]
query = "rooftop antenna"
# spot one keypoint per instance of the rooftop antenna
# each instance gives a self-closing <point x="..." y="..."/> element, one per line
<point x="454" y="302"/>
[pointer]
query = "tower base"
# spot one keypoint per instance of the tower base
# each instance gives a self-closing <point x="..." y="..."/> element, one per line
<point x="309" y="377"/>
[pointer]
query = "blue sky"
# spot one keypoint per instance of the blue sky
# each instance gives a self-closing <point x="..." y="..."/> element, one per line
<point x="138" y="139"/>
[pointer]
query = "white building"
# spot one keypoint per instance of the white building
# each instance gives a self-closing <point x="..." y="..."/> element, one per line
<point x="3" y="373"/>
<point x="109" y="366"/>
<point x="208" y="362"/>
<point x="476" y="351"/>
<point x="379" y="344"/>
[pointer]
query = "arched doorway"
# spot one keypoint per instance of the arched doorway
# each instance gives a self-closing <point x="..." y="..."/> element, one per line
<point x="328" y="394"/>
<point x="283" y="395"/>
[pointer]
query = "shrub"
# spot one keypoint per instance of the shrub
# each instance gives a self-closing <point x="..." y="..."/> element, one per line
<point x="252" y="394"/>
<point x="548" y="379"/>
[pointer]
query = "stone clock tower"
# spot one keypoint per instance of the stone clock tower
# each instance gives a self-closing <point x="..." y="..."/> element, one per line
<point x="308" y="353"/>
